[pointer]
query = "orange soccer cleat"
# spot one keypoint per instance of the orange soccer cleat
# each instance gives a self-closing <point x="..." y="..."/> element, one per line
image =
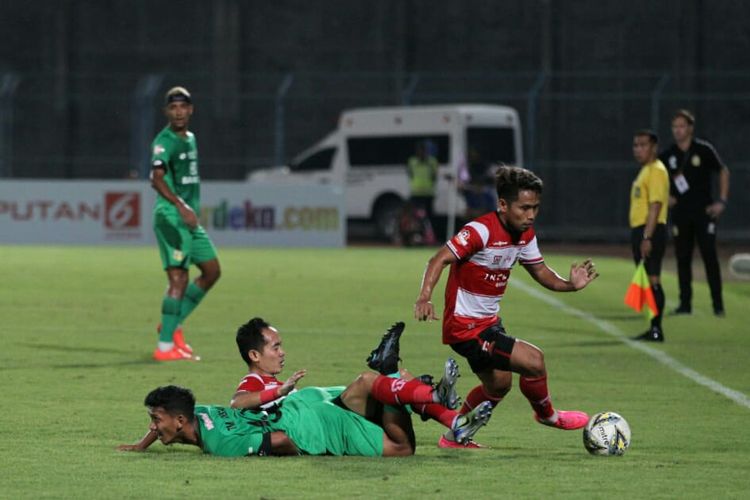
<point x="174" y="354"/>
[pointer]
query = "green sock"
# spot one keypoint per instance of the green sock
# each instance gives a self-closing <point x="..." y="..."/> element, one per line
<point x="193" y="296"/>
<point x="170" y="318"/>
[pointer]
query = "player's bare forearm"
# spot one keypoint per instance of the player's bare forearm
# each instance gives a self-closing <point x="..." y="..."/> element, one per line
<point x="580" y="276"/>
<point x="423" y="308"/>
<point x="249" y="400"/>
<point x="141" y="445"/>
<point x="161" y="187"/>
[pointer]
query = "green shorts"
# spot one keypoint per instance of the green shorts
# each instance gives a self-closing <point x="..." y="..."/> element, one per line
<point x="319" y="427"/>
<point x="180" y="246"/>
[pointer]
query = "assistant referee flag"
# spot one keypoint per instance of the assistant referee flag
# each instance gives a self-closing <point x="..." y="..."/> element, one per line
<point x="639" y="293"/>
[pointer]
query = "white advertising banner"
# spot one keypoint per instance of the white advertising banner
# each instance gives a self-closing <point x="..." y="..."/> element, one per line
<point x="119" y="212"/>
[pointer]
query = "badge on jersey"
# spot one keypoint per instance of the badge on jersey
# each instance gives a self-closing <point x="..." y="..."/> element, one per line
<point x="695" y="161"/>
<point x="681" y="184"/>
<point x="463" y="237"/>
<point x="158" y="149"/>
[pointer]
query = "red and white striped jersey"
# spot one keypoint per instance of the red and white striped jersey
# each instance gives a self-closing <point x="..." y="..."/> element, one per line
<point x="255" y="382"/>
<point x="486" y="252"/>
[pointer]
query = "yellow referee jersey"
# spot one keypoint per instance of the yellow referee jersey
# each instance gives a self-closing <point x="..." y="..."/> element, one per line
<point x="651" y="186"/>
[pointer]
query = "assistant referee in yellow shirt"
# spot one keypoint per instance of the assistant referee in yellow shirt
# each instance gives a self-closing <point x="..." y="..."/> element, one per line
<point x="649" y="196"/>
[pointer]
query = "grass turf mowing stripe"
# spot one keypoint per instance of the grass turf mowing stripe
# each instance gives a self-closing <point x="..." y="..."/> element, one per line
<point x="660" y="356"/>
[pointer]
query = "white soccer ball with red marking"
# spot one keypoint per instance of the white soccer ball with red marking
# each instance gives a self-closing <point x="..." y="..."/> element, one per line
<point x="606" y="433"/>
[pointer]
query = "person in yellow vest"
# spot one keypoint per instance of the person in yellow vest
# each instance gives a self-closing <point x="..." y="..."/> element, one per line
<point x="649" y="197"/>
<point x="422" y="169"/>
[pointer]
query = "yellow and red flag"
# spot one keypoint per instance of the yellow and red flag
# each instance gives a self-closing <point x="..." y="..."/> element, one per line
<point x="640" y="295"/>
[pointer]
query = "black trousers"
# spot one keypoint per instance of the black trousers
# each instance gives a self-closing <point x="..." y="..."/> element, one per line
<point x="702" y="229"/>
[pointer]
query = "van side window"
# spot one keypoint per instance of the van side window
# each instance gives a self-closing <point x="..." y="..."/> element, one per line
<point x="494" y="144"/>
<point x="320" y="160"/>
<point x="394" y="150"/>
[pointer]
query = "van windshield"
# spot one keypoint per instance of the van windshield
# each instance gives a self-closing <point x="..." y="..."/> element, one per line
<point x="395" y="150"/>
<point x="492" y="144"/>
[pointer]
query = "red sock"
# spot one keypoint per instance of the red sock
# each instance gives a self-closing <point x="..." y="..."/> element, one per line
<point x="475" y="397"/>
<point x="535" y="390"/>
<point x="397" y="391"/>
<point x="437" y="412"/>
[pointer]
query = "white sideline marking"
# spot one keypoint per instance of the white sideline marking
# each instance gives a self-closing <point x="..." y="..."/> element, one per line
<point x="660" y="356"/>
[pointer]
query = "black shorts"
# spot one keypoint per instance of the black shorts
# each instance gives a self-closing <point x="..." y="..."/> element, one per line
<point x="491" y="349"/>
<point x="658" y="244"/>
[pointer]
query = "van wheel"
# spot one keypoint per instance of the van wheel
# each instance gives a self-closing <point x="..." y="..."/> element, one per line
<point x="386" y="217"/>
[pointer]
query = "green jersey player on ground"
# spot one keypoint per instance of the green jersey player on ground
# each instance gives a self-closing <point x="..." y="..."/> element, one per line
<point x="181" y="239"/>
<point x="311" y="421"/>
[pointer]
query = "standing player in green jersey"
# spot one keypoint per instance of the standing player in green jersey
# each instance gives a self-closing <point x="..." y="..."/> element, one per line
<point x="181" y="239"/>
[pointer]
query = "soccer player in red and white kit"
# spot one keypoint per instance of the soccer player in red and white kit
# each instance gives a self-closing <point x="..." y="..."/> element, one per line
<point x="480" y="257"/>
<point x="260" y="347"/>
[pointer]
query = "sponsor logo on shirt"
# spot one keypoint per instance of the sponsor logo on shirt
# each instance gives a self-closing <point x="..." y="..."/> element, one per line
<point x="183" y="156"/>
<point x="207" y="422"/>
<point x="190" y="179"/>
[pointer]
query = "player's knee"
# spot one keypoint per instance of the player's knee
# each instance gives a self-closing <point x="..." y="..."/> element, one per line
<point x="531" y="362"/>
<point x="535" y="364"/>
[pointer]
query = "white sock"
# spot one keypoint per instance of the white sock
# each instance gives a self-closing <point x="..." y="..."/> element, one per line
<point x="166" y="346"/>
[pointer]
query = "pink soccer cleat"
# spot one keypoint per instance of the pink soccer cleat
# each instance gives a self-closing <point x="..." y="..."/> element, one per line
<point x="566" y="420"/>
<point x="470" y="444"/>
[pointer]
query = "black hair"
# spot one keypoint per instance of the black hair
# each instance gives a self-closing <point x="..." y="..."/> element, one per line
<point x="250" y="337"/>
<point x="174" y="399"/>
<point x="652" y="137"/>
<point x="510" y="180"/>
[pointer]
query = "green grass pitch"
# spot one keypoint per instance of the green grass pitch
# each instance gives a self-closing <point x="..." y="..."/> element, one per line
<point x="77" y="331"/>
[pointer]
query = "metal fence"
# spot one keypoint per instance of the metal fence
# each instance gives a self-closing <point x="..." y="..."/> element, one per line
<point x="577" y="126"/>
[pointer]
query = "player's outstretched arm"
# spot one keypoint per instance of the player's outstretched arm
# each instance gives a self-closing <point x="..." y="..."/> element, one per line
<point x="424" y="310"/>
<point x="580" y="276"/>
<point x="252" y="400"/>
<point x="141" y="445"/>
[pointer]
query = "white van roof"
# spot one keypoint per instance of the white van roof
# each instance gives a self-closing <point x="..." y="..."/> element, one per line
<point x="436" y="118"/>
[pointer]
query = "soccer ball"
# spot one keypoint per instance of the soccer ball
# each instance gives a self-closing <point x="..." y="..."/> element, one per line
<point x="606" y="433"/>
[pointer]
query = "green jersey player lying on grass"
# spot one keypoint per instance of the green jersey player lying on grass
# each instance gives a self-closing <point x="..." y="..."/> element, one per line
<point x="311" y="421"/>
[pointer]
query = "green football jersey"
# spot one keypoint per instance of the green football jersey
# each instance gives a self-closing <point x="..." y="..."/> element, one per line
<point x="308" y="417"/>
<point x="228" y="432"/>
<point x="178" y="156"/>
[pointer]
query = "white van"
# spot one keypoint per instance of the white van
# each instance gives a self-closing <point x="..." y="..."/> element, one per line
<point x="369" y="150"/>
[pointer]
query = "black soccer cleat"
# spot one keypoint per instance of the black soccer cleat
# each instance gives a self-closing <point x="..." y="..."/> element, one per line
<point x="653" y="334"/>
<point x="384" y="358"/>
